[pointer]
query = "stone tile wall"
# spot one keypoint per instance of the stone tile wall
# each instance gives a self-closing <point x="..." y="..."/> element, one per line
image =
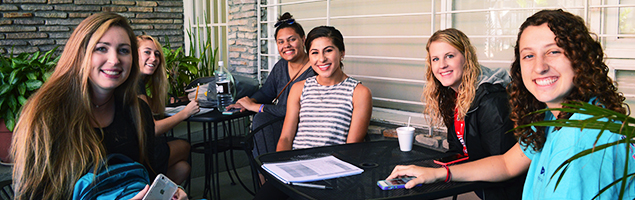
<point x="242" y="37"/>
<point x="40" y="25"/>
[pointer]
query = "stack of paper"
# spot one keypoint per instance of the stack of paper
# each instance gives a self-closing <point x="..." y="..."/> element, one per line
<point x="311" y="169"/>
<point x="169" y="111"/>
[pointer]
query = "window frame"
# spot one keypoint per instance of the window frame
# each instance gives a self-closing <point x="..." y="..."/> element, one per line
<point x="444" y="16"/>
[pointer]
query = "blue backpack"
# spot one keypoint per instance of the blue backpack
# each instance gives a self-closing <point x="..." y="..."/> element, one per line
<point x="122" y="179"/>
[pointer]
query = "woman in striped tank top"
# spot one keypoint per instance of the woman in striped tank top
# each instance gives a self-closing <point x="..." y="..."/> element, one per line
<point x="330" y="108"/>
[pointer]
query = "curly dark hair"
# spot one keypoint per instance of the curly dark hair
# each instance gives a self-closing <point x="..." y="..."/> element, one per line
<point x="590" y="80"/>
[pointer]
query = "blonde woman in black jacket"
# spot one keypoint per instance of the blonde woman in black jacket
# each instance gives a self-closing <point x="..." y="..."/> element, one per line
<point x="472" y="103"/>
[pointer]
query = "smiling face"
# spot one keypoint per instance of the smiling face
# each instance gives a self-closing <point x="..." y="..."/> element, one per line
<point x="446" y="63"/>
<point x="149" y="57"/>
<point x="325" y="57"/>
<point x="546" y="71"/>
<point x="290" y="44"/>
<point x="111" y="60"/>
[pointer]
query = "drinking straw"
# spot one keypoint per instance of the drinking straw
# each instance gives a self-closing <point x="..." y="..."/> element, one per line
<point x="409" y="121"/>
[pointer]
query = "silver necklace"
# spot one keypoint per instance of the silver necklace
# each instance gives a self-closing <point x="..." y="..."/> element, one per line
<point x="97" y="106"/>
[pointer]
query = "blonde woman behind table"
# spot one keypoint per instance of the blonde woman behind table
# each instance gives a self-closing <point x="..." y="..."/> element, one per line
<point x="154" y="79"/>
<point x="471" y="101"/>
<point x="556" y="61"/>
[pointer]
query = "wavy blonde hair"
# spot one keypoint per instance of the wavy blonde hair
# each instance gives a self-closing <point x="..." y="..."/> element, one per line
<point x="54" y="143"/>
<point x="440" y="100"/>
<point x="157" y="82"/>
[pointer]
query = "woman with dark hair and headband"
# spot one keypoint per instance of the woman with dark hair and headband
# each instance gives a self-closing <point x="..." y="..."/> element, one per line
<point x="270" y="101"/>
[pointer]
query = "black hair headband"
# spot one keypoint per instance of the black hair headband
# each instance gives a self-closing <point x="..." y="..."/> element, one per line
<point x="288" y="21"/>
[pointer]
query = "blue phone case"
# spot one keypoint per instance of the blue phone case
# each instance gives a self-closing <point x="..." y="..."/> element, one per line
<point x="394" y="183"/>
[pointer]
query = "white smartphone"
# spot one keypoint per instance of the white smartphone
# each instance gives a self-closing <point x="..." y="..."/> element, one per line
<point x="161" y="189"/>
<point x="231" y="111"/>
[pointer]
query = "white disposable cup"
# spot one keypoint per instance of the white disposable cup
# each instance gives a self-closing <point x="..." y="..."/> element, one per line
<point x="406" y="137"/>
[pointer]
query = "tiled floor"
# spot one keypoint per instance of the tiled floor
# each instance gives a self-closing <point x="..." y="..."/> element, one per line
<point x="227" y="191"/>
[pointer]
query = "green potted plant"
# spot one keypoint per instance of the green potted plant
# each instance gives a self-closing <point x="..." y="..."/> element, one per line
<point x="201" y="43"/>
<point x="602" y="119"/>
<point x="204" y="47"/>
<point x="20" y="76"/>
<point x="181" y="69"/>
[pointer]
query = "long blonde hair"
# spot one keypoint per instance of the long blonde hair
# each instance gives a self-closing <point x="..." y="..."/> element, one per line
<point x="440" y="100"/>
<point x="54" y="143"/>
<point x="157" y="82"/>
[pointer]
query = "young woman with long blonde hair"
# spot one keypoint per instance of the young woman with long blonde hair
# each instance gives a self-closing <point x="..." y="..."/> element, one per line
<point x="86" y="110"/>
<point x="153" y="78"/>
<point x="556" y="61"/>
<point x="472" y="103"/>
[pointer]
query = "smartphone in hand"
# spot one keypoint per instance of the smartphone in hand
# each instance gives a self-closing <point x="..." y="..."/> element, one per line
<point x="451" y="159"/>
<point x="395" y="183"/>
<point x="161" y="189"/>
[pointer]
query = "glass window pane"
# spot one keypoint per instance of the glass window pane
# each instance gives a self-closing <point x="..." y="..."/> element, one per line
<point x="627" y="18"/>
<point x="397" y="69"/>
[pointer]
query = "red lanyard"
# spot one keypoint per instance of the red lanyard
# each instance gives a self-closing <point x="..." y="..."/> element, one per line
<point x="459" y="128"/>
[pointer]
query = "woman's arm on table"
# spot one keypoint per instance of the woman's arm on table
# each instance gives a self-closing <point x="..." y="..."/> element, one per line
<point x="290" y="126"/>
<point x="264" y="95"/>
<point x="362" y="110"/>
<point x="493" y="169"/>
<point x="164" y="125"/>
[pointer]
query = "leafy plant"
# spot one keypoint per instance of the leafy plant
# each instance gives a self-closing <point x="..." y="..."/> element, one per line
<point x="602" y="119"/>
<point x="181" y="69"/>
<point x="21" y="76"/>
<point x="202" y="43"/>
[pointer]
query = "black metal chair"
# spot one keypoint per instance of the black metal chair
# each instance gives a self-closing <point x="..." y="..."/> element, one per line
<point x="253" y="148"/>
<point x="6" y="190"/>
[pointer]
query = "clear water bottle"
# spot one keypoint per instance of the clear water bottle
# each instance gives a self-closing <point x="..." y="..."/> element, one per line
<point x="223" y="88"/>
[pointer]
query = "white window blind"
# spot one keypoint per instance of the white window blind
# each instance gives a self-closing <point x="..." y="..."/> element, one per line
<point x="385" y="39"/>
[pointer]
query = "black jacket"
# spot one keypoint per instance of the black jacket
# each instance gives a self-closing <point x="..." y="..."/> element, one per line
<point x="486" y="125"/>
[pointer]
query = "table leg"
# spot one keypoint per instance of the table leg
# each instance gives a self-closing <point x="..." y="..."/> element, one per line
<point x="208" y="166"/>
<point x="189" y="160"/>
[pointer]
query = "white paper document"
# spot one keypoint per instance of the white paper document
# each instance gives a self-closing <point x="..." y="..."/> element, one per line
<point x="169" y="111"/>
<point x="311" y="170"/>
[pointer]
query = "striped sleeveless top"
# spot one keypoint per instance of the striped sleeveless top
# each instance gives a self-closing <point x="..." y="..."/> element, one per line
<point x="325" y="113"/>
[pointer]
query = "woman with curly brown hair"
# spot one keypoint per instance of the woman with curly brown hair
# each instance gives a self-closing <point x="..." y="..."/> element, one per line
<point x="471" y="101"/>
<point x="557" y="61"/>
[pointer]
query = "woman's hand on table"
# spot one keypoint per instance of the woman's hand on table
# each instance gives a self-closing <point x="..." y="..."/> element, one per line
<point x="248" y="104"/>
<point x="231" y="106"/>
<point x="191" y="108"/>
<point x="424" y="175"/>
